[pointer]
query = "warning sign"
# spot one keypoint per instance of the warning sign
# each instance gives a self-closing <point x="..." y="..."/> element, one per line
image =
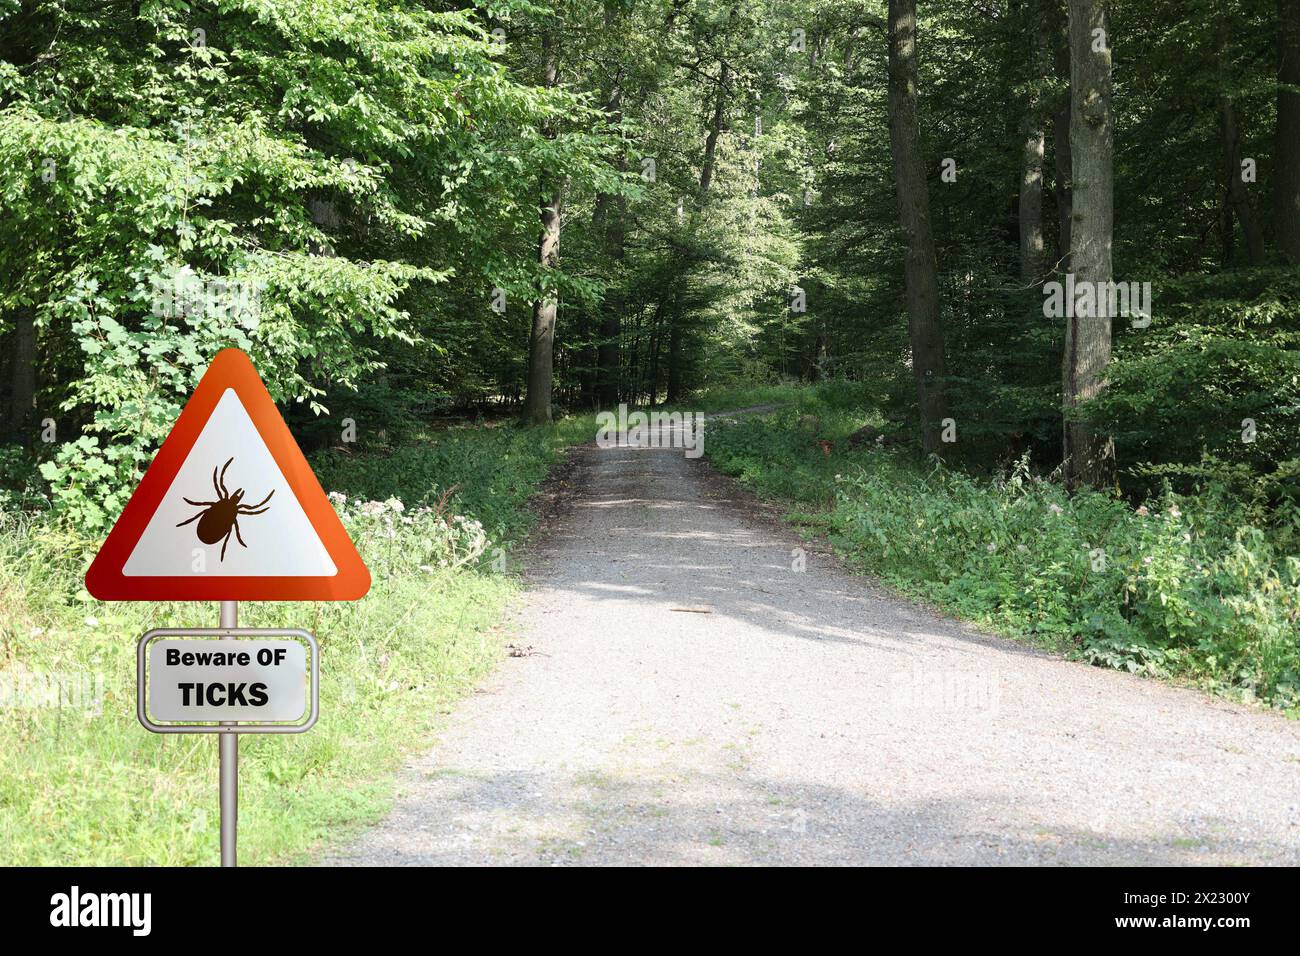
<point x="229" y="509"/>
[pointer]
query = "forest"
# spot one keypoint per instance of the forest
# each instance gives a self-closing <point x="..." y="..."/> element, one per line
<point x="531" y="208"/>
<point x="1017" y="283"/>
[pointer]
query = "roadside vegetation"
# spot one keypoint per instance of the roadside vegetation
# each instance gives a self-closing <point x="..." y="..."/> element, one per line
<point x="1203" y="585"/>
<point x="85" y="784"/>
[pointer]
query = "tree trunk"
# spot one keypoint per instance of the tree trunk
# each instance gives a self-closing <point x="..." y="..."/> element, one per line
<point x="1089" y="457"/>
<point x="652" y="389"/>
<point x="1061" y="139"/>
<point x="715" y="130"/>
<point x="675" y="334"/>
<point x="636" y="361"/>
<point x="1286" y="202"/>
<point x="920" y="267"/>
<point x="1032" y="250"/>
<point x="1236" y="189"/>
<point x="608" y="353"/>
<point x="541" y="340"/>
<point x="1235" y="199"/>
<point x="1227" y="236"/>
<point x="674" y="361"/>
<point x="22" y="403"/>
<point x="610" y="217"/>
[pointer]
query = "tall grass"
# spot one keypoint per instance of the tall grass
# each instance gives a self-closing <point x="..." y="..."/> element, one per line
<point x="80" y="787"/>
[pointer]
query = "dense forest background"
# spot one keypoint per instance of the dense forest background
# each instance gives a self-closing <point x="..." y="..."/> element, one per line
<point x="405" y="208"/>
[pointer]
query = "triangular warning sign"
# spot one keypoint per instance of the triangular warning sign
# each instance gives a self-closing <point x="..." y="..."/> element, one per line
<point x="229" y="510"/>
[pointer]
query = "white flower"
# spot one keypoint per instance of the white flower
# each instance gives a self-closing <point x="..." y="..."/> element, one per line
<point x="338" y="497"/>
<point x="37" y="631"/>
<point x="1055" y="508"/>
<point x="92" y="622"/>
<point x="1174" y="512"/>
<point x="395" y="505"/>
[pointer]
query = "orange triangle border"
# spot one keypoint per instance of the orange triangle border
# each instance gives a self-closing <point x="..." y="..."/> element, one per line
<point x="230" y="369"/>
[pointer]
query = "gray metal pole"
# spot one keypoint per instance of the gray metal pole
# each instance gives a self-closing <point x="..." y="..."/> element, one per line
<point x="229" y="744"/>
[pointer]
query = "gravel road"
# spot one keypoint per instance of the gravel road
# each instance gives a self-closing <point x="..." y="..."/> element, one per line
<point x="686" y="696"/>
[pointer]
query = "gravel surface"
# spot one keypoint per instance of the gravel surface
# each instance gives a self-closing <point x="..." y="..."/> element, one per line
<point x="807" y="718"/>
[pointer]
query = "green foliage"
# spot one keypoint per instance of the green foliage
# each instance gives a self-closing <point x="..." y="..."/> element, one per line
<point x="1210" y="391"/>
<point x="1222" y="339"/>
<point x="21" y="487"/>
<point x="93" y="787"/>
<point x="490" y="471"/>
<point x="1181" y="586"/>
<point x="288" y="178"/>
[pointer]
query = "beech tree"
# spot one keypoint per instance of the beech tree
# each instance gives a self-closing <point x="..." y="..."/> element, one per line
<point x="1033" y="250"/>
<point x="920" y="268"/>
<point x="541" y="339"/>
<point x="1287" y="200"/>
<point x="1089" y="456"/>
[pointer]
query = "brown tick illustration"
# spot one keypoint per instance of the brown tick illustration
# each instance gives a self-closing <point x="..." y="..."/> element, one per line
<point x="219" y="518"/>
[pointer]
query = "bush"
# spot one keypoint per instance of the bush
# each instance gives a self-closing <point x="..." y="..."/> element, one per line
<point x="1190" y="586"/>
<point x="94" y="787"/>
<point x="1210" y="391"/>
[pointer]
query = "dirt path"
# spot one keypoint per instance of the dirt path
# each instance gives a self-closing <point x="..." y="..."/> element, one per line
<point x="807" y="718"/>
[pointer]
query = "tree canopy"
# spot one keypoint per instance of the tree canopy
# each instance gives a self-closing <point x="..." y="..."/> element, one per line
<point x="399" y="207"/>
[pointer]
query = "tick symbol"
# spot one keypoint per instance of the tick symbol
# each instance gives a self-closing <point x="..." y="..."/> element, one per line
<point x="219" y="518"/>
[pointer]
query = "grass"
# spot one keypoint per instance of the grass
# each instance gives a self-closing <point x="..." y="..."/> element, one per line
<point x="495" y="468"/>
<point x="1191" y="587"/>
<point x="735" y="397"/>
<point x="95" y="788"/>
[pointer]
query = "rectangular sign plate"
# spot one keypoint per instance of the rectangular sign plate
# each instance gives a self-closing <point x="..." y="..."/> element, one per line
<point x="227" y="680"/>
<point x="257" y="677"/>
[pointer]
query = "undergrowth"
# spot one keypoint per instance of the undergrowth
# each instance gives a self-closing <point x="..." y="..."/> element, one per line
<point x="1200" y="586"/>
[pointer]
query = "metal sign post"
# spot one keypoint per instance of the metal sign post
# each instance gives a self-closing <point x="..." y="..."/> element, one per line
<point x="179" y="539"/>
<point x="229" y="755"/>
<point x="259" y="685"/>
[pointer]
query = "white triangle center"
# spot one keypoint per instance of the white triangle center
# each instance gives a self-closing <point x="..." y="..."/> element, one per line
<point x="277" y="542"/>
